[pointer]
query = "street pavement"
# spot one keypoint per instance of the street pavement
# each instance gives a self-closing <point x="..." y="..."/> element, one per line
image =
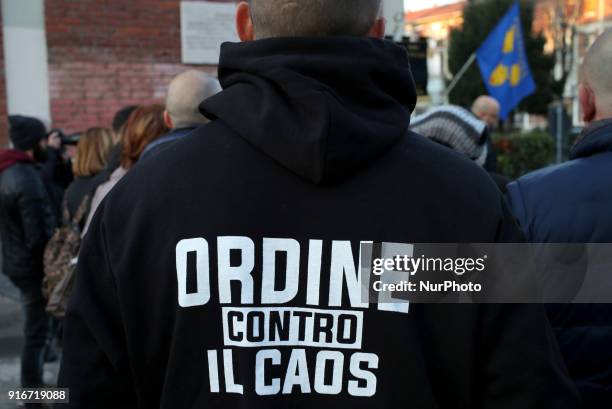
<point x="11" y="339"/>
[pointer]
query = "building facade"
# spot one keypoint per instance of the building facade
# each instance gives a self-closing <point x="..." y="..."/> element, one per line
<point x="569" y="26"/>
<point x="435" y="24"/>
<point x="73" y="64"/>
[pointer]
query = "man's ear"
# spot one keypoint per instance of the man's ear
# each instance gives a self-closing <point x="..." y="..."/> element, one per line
<point x="168" y="120"/>
<point x="378" y="29"/>
<point x="587" y="103"/>
<point x="244" y="24"/>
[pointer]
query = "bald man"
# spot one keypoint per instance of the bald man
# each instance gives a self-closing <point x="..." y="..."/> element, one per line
<point x="486" y="108"/>
<point x="229" y="271"/>
<point x="185" y="94"/>
<point x="571" y="203"/>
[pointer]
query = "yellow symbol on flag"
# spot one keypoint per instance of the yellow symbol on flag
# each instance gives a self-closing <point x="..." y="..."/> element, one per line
<point x="499" y="75"/>
<point x="509" y="40"/>
<point x="503" y="73"/>
<point x="515" y="75"/>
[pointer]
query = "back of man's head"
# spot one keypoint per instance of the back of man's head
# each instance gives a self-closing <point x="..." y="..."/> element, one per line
<point x="486" y="109"/>
<point x="185" y="93"/>
<point x="313" y="18"/>
<point x="596" y="90"/>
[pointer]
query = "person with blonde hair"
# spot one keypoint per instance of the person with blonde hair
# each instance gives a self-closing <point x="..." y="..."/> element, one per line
<point x="93" y="152"/>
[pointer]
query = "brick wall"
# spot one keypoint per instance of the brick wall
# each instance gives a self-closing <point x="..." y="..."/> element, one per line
<point x="3" y="108"/>
<point x="104" y="55"/>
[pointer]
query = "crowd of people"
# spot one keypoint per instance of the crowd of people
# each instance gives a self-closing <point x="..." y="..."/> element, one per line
<point x="44" y="182"/>
<point x="190" y="210"/>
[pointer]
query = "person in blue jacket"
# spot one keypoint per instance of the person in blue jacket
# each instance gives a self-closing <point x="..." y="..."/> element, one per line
<point x="572" y="203"/>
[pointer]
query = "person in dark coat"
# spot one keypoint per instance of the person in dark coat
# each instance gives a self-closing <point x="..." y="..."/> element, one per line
<point x="572" y="203"/>
<point x="26" y="224"/>
<point x="182" y="116"/>
<point x="93" y="152"/>
<point x="57" y="170"/>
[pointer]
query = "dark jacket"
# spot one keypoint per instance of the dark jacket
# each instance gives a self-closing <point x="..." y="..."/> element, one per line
<point x="26" y="219"/>
<point x="58" y="175"/>
<point x="164" y="142"/>
<point x="578" y="191"/>
<point x="81" y="187"/>
<point x="571" y="203"/>
<point x="491" y="163"/>
<point x="261" y="215"/>
<point x="114" y="161"/>
<point x="500" y="180"/>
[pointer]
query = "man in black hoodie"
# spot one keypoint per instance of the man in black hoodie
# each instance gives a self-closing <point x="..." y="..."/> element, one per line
<point x="229" y="277"/>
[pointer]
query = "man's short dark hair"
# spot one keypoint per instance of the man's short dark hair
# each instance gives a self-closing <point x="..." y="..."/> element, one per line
<point x="313" y="18"/>
<point x="122" y="116"/>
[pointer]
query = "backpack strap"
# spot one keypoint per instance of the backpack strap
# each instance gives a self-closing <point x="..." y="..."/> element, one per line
<point x="65" y="212"/>
<point x="82" y="211"/>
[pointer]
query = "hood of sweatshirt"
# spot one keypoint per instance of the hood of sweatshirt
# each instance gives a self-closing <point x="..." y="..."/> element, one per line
<point x="9" y="157"/>
<point x="322" y="107"/>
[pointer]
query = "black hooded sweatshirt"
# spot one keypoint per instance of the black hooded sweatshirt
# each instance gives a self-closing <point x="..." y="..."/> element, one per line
<point x="223" y="274"/>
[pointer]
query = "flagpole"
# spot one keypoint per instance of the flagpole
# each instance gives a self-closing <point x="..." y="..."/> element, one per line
<point x="458" y="76"/>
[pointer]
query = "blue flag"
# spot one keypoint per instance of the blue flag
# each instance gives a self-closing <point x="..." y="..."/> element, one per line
<point x="503" y="63"/>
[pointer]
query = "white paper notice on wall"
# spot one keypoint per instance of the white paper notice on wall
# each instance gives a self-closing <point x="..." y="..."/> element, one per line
<point x="205" y="26"/>
<point x="393" y="11"/>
